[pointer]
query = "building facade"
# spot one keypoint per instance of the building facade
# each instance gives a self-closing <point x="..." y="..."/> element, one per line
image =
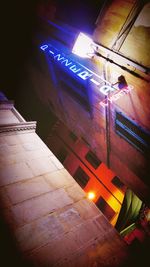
<point x="99" y="182"/>
<point x="103" y="100"/>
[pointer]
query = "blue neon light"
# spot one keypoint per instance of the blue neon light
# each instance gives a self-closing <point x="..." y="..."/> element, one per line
<point x="84" y="74"/>
<point x="80" y="70"/>
<point x="75" y="68"/>
<point x="72" y="66"/>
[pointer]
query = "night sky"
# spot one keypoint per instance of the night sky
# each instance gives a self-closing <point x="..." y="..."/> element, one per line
<point x="18" y="24"/>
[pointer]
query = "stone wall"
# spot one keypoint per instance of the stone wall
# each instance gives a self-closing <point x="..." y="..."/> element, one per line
<point x="48" y="215"/>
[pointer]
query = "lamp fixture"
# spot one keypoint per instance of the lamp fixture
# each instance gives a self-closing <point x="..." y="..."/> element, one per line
<point x="85" y="47"/>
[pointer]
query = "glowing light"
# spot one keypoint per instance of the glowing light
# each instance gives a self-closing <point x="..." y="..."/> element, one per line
<point x="44" y="47"/>
<point x="82" y="72"/>
<point x="116" y="96"/>
<point x="77" y="68"/>
<point x="105" y="89"/>
<point x="91" y="195"/>
<point x="84" y="46"/>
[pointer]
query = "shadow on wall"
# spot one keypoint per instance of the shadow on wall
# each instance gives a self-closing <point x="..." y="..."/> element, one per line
<point x="10" y="255"/>
<point x="17" y="21"/>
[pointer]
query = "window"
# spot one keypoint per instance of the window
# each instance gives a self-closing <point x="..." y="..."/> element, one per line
<point x="81" y="177"/>
<point x="117" y="182"/>
<point x="139" y="13"/>
<point x="62" y="154"/>
<point x="85" y="141"/>
<point x="76" y="88"/>
<point x="78" y="95"/>
<point x="132" y="133"/>
<point x="92" y="159"/>
<point x="73" y="136"/>
<point x="105" y="208"/>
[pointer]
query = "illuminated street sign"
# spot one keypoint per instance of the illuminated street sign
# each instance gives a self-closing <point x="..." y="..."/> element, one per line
<point x="85" y="74"/>
<point x="116" y="96"/>
<point x="80" y="70"/>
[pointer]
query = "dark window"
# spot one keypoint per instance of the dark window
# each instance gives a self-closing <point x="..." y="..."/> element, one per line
<point x="92" y="159"/>
<point x="74" y="87"/>
<point x="77" y="94"/>
<point x="85" y="141"/>
<point x="77" y="88"/>
<point x="81" y="177"/>
<point x="105" y="208"/>
<point x="73" y="136"/>
<point x="62" y="154"/>
<point x="117" y="182"/>
<point x="131" y="132"/>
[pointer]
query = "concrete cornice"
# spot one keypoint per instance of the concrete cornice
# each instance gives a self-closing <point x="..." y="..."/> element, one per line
<point x="6" y="104"/>
<point x="15" y="128"/>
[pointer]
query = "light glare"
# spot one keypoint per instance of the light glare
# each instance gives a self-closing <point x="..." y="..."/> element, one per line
<point x="91" y="195"/>
<point x="84" y="46"/>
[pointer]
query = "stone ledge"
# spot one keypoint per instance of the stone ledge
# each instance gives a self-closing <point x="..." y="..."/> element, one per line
<point x="6" y="104"/>
<point x="18" y="127"/>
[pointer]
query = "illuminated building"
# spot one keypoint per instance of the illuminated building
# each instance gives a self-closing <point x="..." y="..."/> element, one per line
<point x="100" y="183"/>
<point x="80" y="91"/>
<point x="99" y="96"/>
